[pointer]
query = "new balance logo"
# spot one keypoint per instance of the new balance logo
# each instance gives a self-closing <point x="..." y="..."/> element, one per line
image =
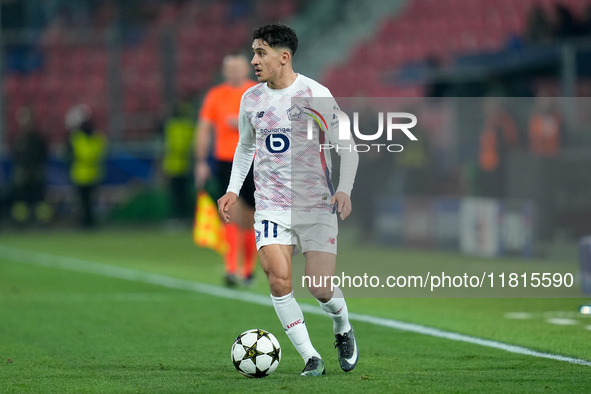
<point x="260" y="114"/>
<point x="331" y="240"/>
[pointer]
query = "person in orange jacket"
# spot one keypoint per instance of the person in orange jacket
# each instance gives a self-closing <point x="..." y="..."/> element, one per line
<point x="546" y="136"/>
<point x="218" y="121"/>
<point x="499" y="136"/>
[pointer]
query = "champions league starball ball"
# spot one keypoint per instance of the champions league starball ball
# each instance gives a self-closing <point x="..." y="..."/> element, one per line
<point x="256" y="353"/>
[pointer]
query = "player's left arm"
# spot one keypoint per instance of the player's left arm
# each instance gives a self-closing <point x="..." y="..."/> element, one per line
<point x="349" y="162"/>
<point x="344" y="205"/>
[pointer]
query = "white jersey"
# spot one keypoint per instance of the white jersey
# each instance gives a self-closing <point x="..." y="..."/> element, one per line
<point x="290" y="171"/>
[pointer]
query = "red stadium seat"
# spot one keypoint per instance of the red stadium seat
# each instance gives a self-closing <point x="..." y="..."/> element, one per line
<point x="12" y="84"/>
<point x="440" y="29"/>
<point x="74" y="72"/>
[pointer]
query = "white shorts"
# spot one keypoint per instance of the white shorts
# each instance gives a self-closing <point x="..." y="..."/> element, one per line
<point x="315" y="233"/>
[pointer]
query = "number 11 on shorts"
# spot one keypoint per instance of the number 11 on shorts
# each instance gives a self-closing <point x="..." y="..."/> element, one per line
<point x="266" y="224"/>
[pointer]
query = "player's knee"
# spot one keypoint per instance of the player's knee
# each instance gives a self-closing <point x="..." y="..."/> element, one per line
<point x="320" y="292"/>
<point x="279" y="285"/>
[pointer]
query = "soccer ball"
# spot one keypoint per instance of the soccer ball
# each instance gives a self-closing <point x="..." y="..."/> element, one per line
<point x="256" y="353"/>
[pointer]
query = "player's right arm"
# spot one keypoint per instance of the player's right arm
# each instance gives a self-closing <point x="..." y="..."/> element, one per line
<point x="243" y="158"/>
<point x="203" y="138"/>
<point x="202" y="142"/>
<point x="224" y="204"/>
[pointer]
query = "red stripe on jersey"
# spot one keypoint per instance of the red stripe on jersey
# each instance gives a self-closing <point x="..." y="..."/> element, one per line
<point x="321" y="117"/>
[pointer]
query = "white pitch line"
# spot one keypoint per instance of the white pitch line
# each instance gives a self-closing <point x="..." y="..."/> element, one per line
<point x="79" y="265"/>
<point x="518" y="315"/>
<point x="560" y="321"/>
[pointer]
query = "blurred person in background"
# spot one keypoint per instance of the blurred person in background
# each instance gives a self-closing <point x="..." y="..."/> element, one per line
<point x="565" y="25"/>
<point x="178" y="136"/>
<point x="218" y="123"/>
<point x="546" y="137"/>
<point x="372" y="172"/>
<point x="586" y="21"/>
<point x="539" y="27"/>
<point x="413" y="165"/>
<point x="29" y="158"/>
<point x="86" y="153"/>
<point x="500" y="135"/>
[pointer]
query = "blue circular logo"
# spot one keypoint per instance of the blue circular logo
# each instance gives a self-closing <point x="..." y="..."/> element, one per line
<point x="277" y="143"/>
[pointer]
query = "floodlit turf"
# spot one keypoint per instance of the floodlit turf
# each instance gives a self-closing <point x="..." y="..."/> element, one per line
<point x="64" y="331"/>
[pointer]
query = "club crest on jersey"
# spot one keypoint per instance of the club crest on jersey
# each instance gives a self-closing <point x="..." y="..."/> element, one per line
<point x="294" y="113"/>
<point x="257" y="235"/>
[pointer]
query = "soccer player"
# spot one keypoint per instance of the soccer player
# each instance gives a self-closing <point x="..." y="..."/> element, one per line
<point x="267" y="126"/>
<point x="219" y="115"/>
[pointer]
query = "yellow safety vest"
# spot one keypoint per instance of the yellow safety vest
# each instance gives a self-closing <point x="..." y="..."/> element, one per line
<point x="88" y="153"/>
<point x="414" y="155"/>
<point x="178" y="146"/>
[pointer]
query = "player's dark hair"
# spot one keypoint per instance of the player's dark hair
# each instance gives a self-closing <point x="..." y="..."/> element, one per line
<point x="277" y="36"/>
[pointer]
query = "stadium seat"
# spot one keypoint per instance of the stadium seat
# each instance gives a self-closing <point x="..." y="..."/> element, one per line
<point x="446" y="28"/>
<point x="12" y="84"/>
<point x="74" y="71"/>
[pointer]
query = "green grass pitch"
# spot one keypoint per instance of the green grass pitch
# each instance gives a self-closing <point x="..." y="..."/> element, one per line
<point x="64" y="331"/>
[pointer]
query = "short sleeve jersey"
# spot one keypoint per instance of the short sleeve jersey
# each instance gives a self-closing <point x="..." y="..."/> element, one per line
<point x="220" y="107"/>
